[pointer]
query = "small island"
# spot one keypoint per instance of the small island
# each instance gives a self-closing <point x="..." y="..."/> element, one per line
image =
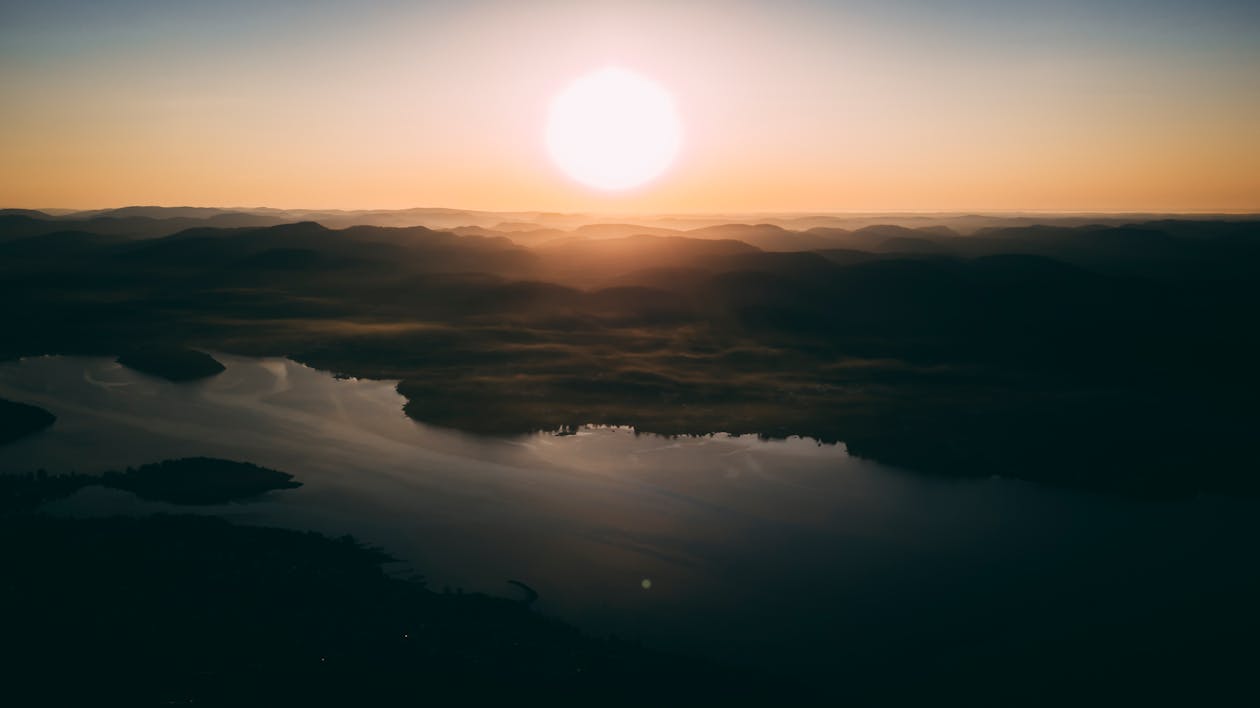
<point x="17" y="420"/>
<point x="172" y="363"/>
<point x="198" y="480"/>
<point x="189" y="481"/>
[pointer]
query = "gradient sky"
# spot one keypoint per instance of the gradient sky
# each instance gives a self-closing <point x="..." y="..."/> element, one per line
<point x="872" y="105"/>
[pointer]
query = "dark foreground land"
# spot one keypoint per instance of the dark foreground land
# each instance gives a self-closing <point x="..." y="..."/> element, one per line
<point x="1114" y="353"/>
<point x="191" y="610"/>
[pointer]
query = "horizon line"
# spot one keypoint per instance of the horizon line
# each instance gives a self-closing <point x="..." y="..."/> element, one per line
<point x="681" y="214"/>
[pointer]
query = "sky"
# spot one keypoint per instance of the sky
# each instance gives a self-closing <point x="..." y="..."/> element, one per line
<point x="785" y="106"/>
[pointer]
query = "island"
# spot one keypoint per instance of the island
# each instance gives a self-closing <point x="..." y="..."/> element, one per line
<point x="171" y="363"/>
<point x="17" y="420"/>
<point x="188" y="481"/>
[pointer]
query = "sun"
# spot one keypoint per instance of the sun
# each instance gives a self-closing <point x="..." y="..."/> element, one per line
<point x="613" y="129"/>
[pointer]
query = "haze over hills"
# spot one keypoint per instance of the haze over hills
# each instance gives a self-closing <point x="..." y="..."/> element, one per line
<point x="148" y="221"/>
<point x="912" y="342"/>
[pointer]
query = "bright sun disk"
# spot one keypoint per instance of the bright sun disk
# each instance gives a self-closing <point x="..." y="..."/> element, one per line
<point x="613" y="129"/>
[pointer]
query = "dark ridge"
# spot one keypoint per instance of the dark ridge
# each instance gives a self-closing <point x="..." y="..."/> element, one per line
<point x="32" y="213"/>
<point x="910" y="244"/>
<point x="621" y="230"/>
<point x="58" y="244"/>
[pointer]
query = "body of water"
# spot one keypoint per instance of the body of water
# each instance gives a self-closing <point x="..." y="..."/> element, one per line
<point x="770" y="551"/>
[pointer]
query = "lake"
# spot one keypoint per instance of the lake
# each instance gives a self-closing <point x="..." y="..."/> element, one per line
<point x="778" y="552"/>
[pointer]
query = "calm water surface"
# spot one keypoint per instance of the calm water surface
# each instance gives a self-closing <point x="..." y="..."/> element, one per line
<point x="755" y="550"/>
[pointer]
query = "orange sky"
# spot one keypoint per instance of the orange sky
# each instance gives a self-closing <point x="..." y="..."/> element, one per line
<point x="789" y="106"/>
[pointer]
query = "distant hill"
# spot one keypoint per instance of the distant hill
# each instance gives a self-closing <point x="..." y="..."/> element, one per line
<point x="621" y="231"/>
<point x="766" y="237"/>
<point x="57" y="243"/>
<point x="591" y="260"/>
<point x="23" y="225"/>
<point x="31" y="213"/>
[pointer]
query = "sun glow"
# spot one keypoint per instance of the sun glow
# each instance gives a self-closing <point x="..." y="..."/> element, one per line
<point x="613" y="129"/>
